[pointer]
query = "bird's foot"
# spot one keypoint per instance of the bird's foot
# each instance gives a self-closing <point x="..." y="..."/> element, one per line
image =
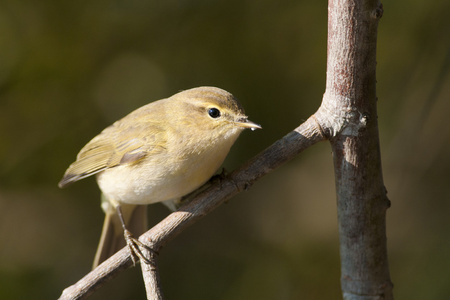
<point x="134" y="244"/>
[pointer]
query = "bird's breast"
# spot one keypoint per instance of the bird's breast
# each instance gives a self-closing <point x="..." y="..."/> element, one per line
<point x="163" y="177"/>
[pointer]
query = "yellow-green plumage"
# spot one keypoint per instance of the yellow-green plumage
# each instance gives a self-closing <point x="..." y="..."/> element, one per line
<point x="161" y="151"/>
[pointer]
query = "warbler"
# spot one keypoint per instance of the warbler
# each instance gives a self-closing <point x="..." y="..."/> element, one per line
<point x="157" y="153"/>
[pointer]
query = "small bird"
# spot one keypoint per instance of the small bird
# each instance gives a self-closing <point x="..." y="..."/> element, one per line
<point x="157" y="153"/>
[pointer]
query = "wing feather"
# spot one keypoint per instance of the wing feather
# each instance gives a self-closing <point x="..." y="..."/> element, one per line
<point x="104" y="151"/>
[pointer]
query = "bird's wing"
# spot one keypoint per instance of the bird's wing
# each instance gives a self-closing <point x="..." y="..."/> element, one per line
<point x="116" y="145"/>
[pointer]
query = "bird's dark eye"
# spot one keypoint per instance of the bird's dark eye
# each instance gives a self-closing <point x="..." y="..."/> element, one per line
<point x="214" y="113"/>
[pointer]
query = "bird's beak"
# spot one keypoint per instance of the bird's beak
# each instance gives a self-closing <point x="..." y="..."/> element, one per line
<point x="245" y="123"/>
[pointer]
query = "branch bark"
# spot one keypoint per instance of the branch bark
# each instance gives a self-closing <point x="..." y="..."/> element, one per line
<point x="350" y="100"/>
<point x="150" y="274"/>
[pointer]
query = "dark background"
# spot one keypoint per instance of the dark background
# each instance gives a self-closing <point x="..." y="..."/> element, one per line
<point x="70" y="68"/>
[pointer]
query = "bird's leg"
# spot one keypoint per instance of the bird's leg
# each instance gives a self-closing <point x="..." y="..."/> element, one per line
<point x="133" y="243"/>
<point x="219" y="177"/>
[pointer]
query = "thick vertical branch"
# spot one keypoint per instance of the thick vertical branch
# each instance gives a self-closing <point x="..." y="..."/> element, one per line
<point x="350" y="98"/>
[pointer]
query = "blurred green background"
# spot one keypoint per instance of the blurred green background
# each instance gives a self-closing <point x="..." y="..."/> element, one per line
<point x="69" y="69"/>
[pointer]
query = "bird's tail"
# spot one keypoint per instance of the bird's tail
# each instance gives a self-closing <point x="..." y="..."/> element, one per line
<point x="112" y="239"/>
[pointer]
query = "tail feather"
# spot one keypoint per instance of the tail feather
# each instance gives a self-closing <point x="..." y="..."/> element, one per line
<point x="112" y="239"/>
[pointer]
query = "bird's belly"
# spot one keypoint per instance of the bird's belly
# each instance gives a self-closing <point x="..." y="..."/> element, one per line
<point x="146" y="184"/>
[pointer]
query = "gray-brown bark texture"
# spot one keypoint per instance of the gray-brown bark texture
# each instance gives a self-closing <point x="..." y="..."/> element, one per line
<point x="349" y="107"/>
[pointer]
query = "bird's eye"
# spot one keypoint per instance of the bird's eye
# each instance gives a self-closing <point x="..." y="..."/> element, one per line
<point x="214" y="113"/>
